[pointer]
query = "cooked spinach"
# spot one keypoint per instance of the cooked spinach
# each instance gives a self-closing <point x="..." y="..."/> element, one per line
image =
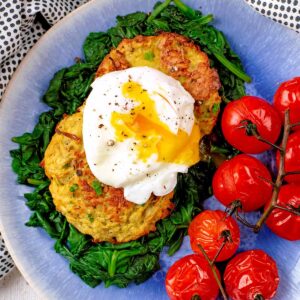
<point x="134" y="261"/>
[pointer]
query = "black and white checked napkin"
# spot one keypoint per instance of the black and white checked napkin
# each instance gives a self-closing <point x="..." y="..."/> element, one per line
<point x="23" y="22"/>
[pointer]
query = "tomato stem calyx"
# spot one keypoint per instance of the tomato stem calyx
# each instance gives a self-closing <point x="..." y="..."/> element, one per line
<point x="259" y="297"/>
<point x="234" y="206"/>
<point x="196" y="297"/>
<point x="226" y="235"/>
<point x="234" y="209"/>
<point x="251" y="130"/>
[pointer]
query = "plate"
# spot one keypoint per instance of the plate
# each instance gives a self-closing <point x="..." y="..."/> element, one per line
<point x="270" y="54"/>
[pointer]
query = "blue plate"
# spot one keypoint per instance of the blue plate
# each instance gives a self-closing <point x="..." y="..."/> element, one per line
<point x="270" y="54"/>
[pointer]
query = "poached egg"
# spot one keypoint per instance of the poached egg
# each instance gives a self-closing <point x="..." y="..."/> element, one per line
<point x="139" y="131"/>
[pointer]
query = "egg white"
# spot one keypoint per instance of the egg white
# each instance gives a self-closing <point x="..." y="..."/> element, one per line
<point x="116" y="163"/>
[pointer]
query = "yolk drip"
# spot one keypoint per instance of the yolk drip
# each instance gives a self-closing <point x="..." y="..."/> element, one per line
<point x="151" y="135"/>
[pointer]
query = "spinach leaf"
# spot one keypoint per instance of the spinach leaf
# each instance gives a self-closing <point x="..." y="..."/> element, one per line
<point x="131" y="19"/>
<point x="77" y="241"/>
<point x="69" y="88"/>
<point x="95" y="47"/>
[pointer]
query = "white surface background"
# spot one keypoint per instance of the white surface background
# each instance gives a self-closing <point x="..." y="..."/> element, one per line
<point x="14" y="287"/>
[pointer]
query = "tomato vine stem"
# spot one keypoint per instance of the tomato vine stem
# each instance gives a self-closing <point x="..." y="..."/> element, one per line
<point x="251" y="130"/>
<point x="293" y="210"/>
<point x="291" y="173"/>
<point x="266" y="180"/>
<point x="227" y="238"/>
<point x="234" y="209"/>
<point x="295" y="124"/>
<point x="280" y="175"/>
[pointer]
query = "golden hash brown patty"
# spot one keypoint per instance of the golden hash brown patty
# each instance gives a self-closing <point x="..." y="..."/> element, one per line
<point x="109" y="216"/>
<point x="106" y="217"/>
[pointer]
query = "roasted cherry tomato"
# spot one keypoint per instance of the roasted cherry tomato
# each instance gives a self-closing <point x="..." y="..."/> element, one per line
<point x="292" y="157"/>
<point x="241" y="178"/>
<point x="251" y="274"/>
<point x="250" y="112"/>
<point x="288" y="97"/>
<point x="281" y="222"/>
<point x="209" y="229"/>
<point x="189" y="277"/>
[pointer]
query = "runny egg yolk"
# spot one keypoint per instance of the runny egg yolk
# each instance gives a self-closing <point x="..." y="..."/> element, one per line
<point x="151" y="135"/>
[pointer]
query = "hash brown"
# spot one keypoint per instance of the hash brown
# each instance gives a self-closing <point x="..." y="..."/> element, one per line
<point x="109" y="216"/>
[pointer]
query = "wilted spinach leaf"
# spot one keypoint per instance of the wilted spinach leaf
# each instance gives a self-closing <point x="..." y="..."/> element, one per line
<point x="96" y="46"/>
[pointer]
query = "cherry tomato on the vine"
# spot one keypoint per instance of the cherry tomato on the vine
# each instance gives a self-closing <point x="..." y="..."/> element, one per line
<point x="242" y="178"/>
<point x="209" y="229"/>
<point x="284" y="223"/>
<point x="292" y="157"/>
<point x="288" y="97"/>
<point x="248" y="112"/>
<point x="250" y="274"/>
<point x="189" y="277"/>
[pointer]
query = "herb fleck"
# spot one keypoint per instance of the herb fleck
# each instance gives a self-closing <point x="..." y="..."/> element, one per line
<point x="216" y="108"/>
<point x="74" y="188"/>
<point x="97" y="186"/>
<point x="149" y="56"/>
<point x="91" y="218"/>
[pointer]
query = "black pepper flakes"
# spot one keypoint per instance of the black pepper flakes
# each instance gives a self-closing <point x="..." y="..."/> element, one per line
<point x="110" y="142"/>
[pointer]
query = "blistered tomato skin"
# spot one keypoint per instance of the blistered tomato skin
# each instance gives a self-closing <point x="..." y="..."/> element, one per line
<point x="259" y="112"/>
<point x="249" y="274"/>
<point x="292" y="157"/>
<point x="283" y="223"/>
<point x="288" y="97"/>
<point x="240" y="178"/>
<point x="206" y="229"/>
<point x="191" y="276"/>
